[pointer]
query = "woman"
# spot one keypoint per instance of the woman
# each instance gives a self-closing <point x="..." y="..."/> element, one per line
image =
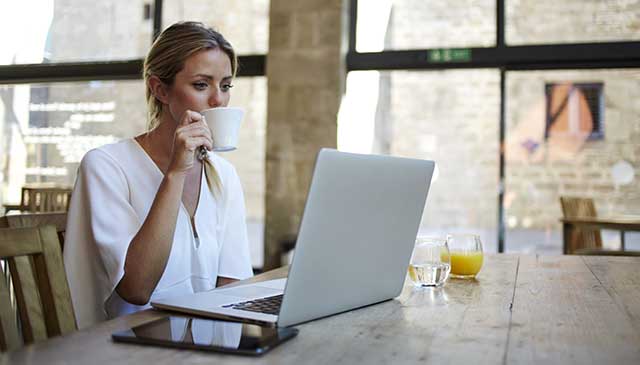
<point x="158" y="214"/>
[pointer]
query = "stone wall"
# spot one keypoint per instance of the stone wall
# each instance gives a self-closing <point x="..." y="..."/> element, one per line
<point x="305" y="71"/>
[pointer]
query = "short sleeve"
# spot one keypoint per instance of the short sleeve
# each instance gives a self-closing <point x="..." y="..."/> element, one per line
<point x="235" y="260"/>
<point x="113" y="221"/>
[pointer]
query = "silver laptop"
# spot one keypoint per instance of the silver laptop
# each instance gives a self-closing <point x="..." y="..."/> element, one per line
<point x="356" y="236"/>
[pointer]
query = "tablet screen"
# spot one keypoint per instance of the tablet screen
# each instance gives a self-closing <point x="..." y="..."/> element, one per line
<point x="207" y="334"/>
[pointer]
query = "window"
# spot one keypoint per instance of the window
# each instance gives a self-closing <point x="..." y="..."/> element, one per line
<point x="85" y="96"/>
<point x="564" y="116"/>
<point x="571" y="21"/>
<point x="49" y="127"/>
<point x="42" y="31"/>
<point x="574" y="110"/>
<point x="539" y="170"/>
<point x="244" y="23"/>
<point x="450" y="117"/>
<point x="414" y="24"/>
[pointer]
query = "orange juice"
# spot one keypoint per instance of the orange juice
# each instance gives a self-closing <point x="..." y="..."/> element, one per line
<point x="465" y="263"/>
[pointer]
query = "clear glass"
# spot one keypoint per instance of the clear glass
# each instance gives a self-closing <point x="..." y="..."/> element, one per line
<point x="430" y="264"/>
<point x="417" y="24"/>
<point x="451" y="117"/>
<point x="244" y="23"/>
<point x="540" y="169"/>
<point x="73" y="30"/>
<point x="466" y="255"/>
<point x="571" y="21"/>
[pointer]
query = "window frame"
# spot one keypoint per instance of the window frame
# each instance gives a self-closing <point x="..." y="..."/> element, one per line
<point x="249" y="65"/>
<point x="609" y="55"/>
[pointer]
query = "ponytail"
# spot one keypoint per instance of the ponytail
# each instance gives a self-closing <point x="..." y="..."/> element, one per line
<point x="212" y="176"/>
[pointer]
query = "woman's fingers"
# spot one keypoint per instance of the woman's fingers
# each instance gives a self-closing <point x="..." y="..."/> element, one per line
<point x="192" y="134"/>
<point x="195" y="129"/>
<point x="189" y="117"/>
<point x="192" y="143"/>
<point x="188" y="136"/>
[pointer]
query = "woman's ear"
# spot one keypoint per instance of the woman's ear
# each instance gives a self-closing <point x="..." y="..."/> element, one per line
<point x="159" y="89"/>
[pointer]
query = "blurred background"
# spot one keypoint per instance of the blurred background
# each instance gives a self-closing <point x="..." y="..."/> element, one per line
<point x="518" y="102"/>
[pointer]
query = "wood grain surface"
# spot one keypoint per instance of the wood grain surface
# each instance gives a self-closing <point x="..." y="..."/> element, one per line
<point x="520" y="309"/>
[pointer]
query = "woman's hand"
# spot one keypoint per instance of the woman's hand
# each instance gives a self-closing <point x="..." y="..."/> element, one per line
<point x="191" y="134"/>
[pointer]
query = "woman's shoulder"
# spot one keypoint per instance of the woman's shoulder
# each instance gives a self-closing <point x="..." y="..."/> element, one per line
<point x="117" y="153"/>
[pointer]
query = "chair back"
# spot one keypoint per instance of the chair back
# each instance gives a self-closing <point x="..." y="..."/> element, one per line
<point x="45" y="199"/>
<point x="40" y="289"/>
<point x="57" y="219"/>
<point x="573" y="207"/>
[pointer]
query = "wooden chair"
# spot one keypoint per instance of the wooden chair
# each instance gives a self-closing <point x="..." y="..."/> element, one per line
<point x="57" y="219"/>
<point x="579" y="239"/>
<point x="46" y="199"/>
<point x="42" y="199"/>
<point x="40" y="285"/>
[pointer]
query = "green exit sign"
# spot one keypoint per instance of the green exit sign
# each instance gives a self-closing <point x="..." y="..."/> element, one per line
<point x="449" y="55"/>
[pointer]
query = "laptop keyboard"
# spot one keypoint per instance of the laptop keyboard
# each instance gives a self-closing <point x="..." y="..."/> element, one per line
<point x="268" y="305"/>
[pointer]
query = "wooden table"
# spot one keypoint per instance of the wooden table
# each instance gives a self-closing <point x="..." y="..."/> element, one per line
<point x="521" y="309"/>
<point x="622" y="224"/>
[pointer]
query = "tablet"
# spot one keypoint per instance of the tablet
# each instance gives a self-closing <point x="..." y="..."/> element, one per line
<point x="207" y="334"/>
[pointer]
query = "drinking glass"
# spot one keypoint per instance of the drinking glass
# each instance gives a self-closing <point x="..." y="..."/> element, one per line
<point x="466" y="255"/>
<point x="430" y="262"/>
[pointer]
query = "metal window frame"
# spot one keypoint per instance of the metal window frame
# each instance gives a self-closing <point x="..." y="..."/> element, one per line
<point x="565" y="56"/>
<point x="249" y="65"/>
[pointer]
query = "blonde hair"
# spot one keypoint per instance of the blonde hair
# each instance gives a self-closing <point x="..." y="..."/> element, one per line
<point x="166" y="58"/>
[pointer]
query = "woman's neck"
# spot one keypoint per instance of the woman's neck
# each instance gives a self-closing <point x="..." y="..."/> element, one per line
<point x="158" y="143"/>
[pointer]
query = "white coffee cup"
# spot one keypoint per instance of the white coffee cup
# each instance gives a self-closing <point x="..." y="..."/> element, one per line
<point x="224" y="123"/>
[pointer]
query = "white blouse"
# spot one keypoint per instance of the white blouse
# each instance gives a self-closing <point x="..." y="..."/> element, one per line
<point x="114" y="190"/>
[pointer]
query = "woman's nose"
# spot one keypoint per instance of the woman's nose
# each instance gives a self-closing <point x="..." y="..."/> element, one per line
<point x="215" y="99"/>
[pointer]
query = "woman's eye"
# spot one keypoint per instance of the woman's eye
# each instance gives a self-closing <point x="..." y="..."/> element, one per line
<point x="226" y="87"/>
<point x="200" y="85"/>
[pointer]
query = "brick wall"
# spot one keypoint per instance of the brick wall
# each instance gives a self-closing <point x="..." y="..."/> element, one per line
<point x="436" y="24"/>
<point x="103" y="30"/>
<point x="536" y="180"/>
<point x="245" y="23"/>
<point x="453" y="117"/>
<point x="568" y="21"/>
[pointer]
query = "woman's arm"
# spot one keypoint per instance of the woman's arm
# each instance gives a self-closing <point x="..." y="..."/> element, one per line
<point x="149" y="249"/>
<point x="148" y="252"/>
